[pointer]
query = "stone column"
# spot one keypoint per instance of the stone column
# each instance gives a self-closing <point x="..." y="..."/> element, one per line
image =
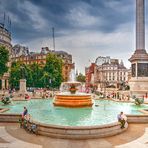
<point x="140" y="25"/>
<point x="3" y="84"/>
<point x="7" y="84"/>
<point x="22" y="86"/>
<point x="136" y="70"/>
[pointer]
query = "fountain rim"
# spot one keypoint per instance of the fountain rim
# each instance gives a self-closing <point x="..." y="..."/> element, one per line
<point x="72" y="82"/>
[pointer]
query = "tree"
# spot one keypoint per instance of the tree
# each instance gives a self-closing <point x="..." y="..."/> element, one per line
<point x="81" y="78"/>
<point x="53" y="71"/>
<point x="48" y="76"/>
<point x="4" y="58"/>
<point x="36" y="72"/>
<point x="15" y="75"/>
<point x="19" y="71"/>
<point x="32" y="73"/>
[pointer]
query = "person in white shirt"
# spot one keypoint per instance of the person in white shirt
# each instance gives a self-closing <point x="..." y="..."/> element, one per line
<point x="122" y="119"/>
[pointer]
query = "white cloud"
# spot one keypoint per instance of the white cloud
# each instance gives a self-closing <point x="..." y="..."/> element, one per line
<point x="118" y="6"/>
<point x="80" y="16"/>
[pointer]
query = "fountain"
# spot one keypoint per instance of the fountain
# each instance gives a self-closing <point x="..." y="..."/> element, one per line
<point x="69" y="95"/>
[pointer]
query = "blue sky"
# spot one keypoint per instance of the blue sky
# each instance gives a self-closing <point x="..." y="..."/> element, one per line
<point x="84" y="28"/>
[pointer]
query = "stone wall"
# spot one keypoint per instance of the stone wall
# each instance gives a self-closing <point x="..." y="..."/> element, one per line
<point x="86" y="132"/>
<point x="9" y="117"/>
<point x="79" y="132"/>
<point x="137" y="118"/>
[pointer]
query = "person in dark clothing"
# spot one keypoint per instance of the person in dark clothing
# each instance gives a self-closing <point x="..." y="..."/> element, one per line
<point x="25" y="112"/>
<point x="122" y="119"/>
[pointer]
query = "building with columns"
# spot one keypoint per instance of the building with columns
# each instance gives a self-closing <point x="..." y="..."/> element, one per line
<point x="139" y="60"/>
<point x="5" y="40"/>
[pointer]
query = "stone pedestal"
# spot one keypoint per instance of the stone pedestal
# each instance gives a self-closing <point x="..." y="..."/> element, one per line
<point x="22" y="86"/>
<point x="3" y="84"/>
<point x="139" y="60"/>
<point x="7" y="84"/>
<point x="139" y="86"/>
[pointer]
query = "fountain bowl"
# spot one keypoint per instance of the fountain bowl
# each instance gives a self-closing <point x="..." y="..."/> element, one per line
<point x="72" y="98"/>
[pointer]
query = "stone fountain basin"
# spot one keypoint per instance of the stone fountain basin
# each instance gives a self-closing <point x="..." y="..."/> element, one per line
<point x="73" y="100"/>
<point x="76" y="94"/>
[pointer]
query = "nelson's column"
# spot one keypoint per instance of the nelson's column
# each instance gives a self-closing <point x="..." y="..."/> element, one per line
<point x="139" y="60"/>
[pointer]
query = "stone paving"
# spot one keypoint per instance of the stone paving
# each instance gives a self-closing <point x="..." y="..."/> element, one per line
<point x="141" y="142"/>
<point x="11" y="142"/>
<point x="11" y="136"/>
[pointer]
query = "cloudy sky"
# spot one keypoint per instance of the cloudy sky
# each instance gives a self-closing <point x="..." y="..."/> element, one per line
<point x="84" y="28"/>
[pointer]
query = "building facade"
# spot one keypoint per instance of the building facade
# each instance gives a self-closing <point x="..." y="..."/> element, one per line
<point x="107" y="72"/>
<point x="40" y="58"/>
<point x="19" y="50"/>
<point x="5" y="40"/>
<point x="89" y="75"/>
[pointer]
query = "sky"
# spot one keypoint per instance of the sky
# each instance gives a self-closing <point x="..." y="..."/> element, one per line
<point x="84" y="28"/>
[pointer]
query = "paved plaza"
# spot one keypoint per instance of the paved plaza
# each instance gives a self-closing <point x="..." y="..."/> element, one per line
<point x="11" y="136"/>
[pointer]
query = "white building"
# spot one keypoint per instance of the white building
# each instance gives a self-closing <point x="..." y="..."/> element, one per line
<point x="111" y="73"/>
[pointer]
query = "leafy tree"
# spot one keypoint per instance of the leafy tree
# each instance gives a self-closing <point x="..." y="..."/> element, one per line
<point x="48" y="76"/>
<point x="29" y="72"/>
<point x="15" y="75"/>
<point x="4" y="58"/>
<point x="80" y="77"/>
<point x="53" y="71"/>
<point x="36" y="73"/>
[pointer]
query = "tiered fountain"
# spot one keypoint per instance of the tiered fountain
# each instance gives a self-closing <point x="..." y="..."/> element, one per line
<point x="70" y="96"/>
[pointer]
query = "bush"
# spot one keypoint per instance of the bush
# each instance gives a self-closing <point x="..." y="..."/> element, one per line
<point x="6" y="100"/>
<point x="139" y="101"/>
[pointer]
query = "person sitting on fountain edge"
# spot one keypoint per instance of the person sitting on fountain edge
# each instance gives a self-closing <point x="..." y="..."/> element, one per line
<point x="25" y="112"/>
<point x="122" y="119"/>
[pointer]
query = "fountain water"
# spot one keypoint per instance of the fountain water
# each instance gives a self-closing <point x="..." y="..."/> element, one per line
<point x="70" y="96"/>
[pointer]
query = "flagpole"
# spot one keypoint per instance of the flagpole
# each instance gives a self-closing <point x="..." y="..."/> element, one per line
<point x="4" y="20"/>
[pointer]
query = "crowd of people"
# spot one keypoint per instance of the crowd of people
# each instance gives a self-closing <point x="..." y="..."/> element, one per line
<point x="118" y="96"/>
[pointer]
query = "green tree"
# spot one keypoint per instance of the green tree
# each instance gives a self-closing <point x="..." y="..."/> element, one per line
<point x="19" y="71"/>
<point x="48" y="76"/>
<point x="36" y="72"/>
<point x="80" y="78"/>
<point x="52" y="71"/>
<point x="4" y="58"/>
<point x="15" y="75"/>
